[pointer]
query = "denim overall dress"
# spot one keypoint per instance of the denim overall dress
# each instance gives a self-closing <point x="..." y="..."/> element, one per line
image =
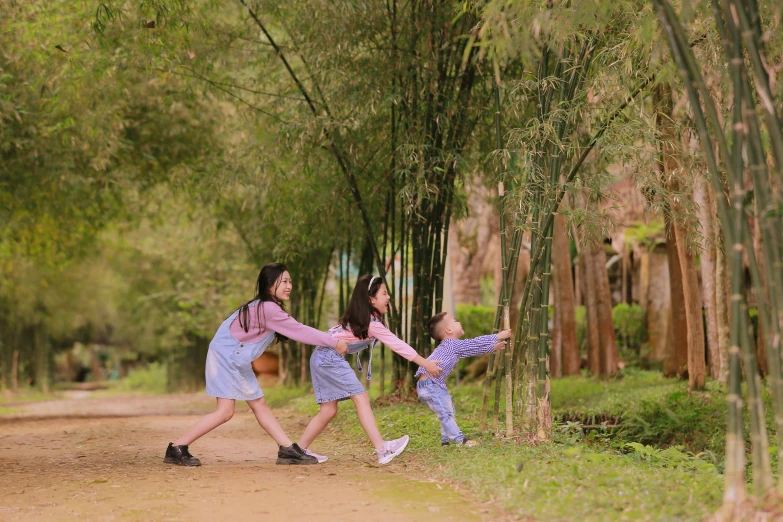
<point x="228" y="371"/>
<point x="333" y="377"/>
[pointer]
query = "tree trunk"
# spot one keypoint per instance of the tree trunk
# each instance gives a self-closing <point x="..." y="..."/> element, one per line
<point x="608" y="348"/>
<point x="591" y="309"/>
<point x="523" y="266"/>
<point x="659" y="314"/>
<point x="42" y="350"/>
<point x="693" y="314"/>
<point x="565" y="308"/>
<point x="15" y="371"/>
<point x="644" y="280"/>
<point x="675" y="361"/>
<point x="556" y="335"/>
<point x="703" y="196"/>
<point x="602" y="353"/>
<point x="468" y="243"/>
<point x="627" y="276"/>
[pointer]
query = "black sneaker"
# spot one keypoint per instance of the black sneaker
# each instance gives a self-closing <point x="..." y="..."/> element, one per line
<point x="444" y="443"/>
<point x="180" y="456"/>
<point x="293" y="454"/>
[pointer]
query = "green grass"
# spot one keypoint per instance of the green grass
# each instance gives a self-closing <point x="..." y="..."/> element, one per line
<point x="149" y="379"/>
<point x="26" y="395"/>
<point x="591" y="474"/>
<point x="647" y="408"/>
<point x="638" y="447"/>
<point x="280" y="396"/>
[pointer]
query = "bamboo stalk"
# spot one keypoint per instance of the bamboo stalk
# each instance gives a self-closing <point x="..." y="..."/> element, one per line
<point x="499" y="363"/>
<point x="509" y="383"/>
<point x="507" y="284"/>
<point x="494" y="362"/>
<point x="762" y="473"/>
<point x="751" y="36"/>
<point x="485" y="396"/>
<point x="544" y="410"/>
<point x="767" y="289"/>
<point x="734" y="472"/>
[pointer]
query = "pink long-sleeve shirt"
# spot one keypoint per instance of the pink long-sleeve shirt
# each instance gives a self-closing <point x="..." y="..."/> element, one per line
<point x="377" y="330"/>
<point x="275" y="319"/>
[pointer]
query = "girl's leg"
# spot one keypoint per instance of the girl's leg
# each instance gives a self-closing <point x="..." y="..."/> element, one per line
<point x="318" y="423"/>
<point x="268" y="421"/>
<point x="367" y="419"/>
<point x="207" y="423"/>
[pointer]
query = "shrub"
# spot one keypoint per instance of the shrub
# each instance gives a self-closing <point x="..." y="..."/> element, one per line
<point x="629" y="326"/>
<point x="581" y="328"/>
<point x="149" y="379"/>
<point x="476" y="320"/>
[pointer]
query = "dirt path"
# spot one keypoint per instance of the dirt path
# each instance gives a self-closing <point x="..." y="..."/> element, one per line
<point x="101" y="459"/>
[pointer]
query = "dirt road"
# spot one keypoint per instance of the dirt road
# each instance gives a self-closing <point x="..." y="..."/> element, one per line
<point x="86" y="459"/>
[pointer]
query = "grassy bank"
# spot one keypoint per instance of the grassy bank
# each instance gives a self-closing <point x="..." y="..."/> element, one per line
<point x="651" y="450"/>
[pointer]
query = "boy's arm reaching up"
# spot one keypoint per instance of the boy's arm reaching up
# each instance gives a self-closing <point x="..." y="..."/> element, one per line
<point x="480" y="345"/>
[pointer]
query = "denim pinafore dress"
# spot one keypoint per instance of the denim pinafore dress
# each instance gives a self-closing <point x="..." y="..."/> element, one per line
<point x="228" y="371"/>
<point x="333" y="378"/>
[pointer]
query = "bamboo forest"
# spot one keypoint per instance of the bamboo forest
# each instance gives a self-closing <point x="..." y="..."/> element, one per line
<point x="549" y="231"/>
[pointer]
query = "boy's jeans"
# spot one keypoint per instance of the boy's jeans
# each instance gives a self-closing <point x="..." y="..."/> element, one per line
<point x="440" y="402"/>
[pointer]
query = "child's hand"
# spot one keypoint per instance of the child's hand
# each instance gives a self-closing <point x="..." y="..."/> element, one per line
<point x="432" y="368"/>
<point x="342" y="347"/>
<point x="500" y="346"/>
<point x="505" y="334"/>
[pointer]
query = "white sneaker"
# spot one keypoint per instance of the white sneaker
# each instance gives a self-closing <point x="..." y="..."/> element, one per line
<point x="392" y="448"/>
<point x="320" y="458"/>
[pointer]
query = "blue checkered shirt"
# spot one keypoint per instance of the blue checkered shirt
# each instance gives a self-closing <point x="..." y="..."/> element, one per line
<point x="450" y="351"/>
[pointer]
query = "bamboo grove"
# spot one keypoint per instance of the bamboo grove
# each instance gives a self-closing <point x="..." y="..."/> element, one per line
<point x="538" y="168"/>
<point x="386" y="108"/>
<point x="744" y="157"/>
<point x="749" y="146"/>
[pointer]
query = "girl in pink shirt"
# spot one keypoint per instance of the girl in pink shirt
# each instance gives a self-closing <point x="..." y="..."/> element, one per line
<point x="241" y="339"/>
<point x="333" y="378"/>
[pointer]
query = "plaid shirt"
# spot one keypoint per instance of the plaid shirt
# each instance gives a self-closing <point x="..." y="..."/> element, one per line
<point x="450" y="351"/>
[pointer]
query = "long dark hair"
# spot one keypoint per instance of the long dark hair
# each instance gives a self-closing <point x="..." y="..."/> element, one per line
<point x="266" y="286"/>
<point x="357" y="316"/>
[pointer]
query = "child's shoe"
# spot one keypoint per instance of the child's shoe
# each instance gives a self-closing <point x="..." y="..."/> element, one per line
<point x="180" y="456"/>
<point x="392" y="448"/>
<point x="464" y="442"/>
<point x="320" y="458"/>
<point x="293" y="454"/>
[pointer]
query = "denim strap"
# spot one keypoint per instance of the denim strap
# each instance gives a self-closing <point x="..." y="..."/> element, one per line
<point x="369" y="362"/>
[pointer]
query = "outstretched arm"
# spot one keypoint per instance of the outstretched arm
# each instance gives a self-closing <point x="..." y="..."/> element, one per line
<point x="279" y="321"/>
<point x="475" y="346"/>
<point x="397" y="345"/>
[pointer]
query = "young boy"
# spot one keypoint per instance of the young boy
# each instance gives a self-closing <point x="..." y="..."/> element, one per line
<point x="433" y="392"/>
